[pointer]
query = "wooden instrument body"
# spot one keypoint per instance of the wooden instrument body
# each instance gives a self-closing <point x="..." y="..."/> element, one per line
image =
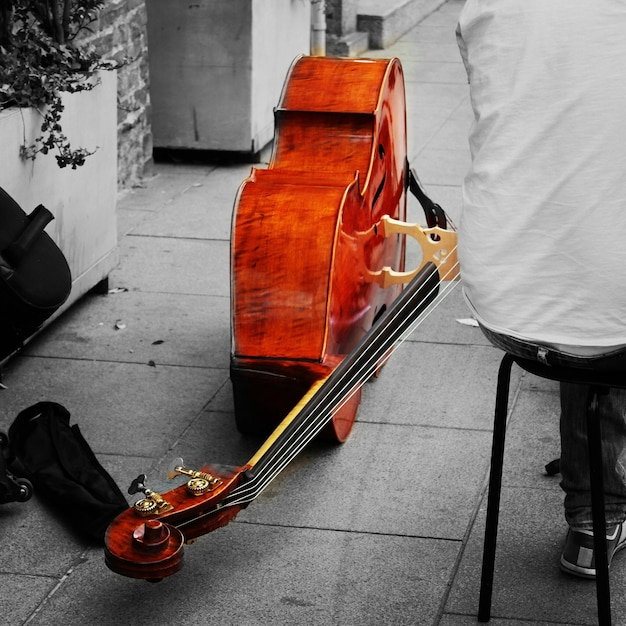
<point x="301" y="292"/>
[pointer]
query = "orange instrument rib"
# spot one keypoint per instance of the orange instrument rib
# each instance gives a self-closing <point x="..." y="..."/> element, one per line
<point x="301" y="293"/>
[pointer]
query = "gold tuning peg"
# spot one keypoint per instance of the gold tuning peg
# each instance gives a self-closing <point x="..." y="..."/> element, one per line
<point x="176" y="468"/>
<point x="152" y="503"/>
<point x="198" y="483"/>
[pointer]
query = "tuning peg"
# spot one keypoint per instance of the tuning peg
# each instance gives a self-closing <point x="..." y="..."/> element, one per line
<point x="138" y="485"/>
<point x="152" y="503"/>
<point x="199" y="482"/>
<point x="175" y="468"/>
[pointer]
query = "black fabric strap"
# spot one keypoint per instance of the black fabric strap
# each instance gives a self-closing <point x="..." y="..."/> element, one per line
<point x="435" y="215"/>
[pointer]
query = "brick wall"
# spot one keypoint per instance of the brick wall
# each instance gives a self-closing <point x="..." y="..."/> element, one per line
<point x="121" y="34"/>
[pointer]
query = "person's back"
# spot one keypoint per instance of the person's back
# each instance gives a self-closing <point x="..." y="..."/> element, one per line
<point x="542" y="235"/>
<point x="543" y="223"/>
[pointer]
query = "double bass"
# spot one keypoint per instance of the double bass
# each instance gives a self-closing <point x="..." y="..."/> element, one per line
<point x="317" y="299"/>
<point x="303" y="290"/>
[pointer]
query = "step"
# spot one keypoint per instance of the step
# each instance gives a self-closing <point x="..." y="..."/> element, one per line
<point x="387" y="20"/>
<point x="351" y="45"/>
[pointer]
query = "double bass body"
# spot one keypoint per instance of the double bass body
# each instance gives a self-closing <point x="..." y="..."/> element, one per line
<point x="312" y="236"/>
<point x="301" y="290"/>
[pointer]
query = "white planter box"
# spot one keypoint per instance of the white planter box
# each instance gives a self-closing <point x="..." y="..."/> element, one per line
<point x="83" y="201"/>
<point x="217" y="68"/>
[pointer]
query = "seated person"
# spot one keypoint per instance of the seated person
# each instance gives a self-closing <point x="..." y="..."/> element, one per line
<point x="541" y="237"/>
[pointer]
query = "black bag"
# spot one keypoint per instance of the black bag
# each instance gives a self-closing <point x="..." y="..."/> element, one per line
<point x="35" y="279"/>
<point x="64" y="471"/>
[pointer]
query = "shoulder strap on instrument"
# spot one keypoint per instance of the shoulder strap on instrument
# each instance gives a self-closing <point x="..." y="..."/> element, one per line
<point x="435" y="215"/>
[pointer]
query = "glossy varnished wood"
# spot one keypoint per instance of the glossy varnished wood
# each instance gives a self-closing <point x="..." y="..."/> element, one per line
<point x="302" y="296"/>
<point x="187" y="518"/>
<point x="310" y="319"/>
<point x="152" y="547"/>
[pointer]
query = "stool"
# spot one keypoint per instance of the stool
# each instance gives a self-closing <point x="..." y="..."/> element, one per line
<point x="600" y="374"/>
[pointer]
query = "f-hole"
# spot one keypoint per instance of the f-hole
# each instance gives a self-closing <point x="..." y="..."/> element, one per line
<point x="381" y="186"/>
<point x="379" y="190"/>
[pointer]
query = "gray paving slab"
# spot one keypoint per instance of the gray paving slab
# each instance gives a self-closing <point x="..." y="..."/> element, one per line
<point x="443" y="395"/>
<point x="437" y="471"/>
<point x="533" y="440"/>
<point x="426" y="128"/>
<point x="140" y="327"/>
<point x="172" y="265"/>
<point x="433" y="97"/>
<point x="440" y="166"/>
<point x="390" y="482"/>
<point x="535" y="383"/>
<point x="386" y="479"/>
<point x="22" y="595"/>
<point x="121" y="408"/>
<point x="450" y="135"/>
<point x="254" y="575"/>
<point x="450" y="324"/>
<point x="422" y="126"/>
<point x="202" y="210"/>
<point x="445" y="51"/>
<point x="169" y="181"/>
<point x="43" y="545"/>
<point x="435" y="33"/>
<point x="213" y="439"/>
<point x="528" y="582"/>
<point x="464" y="620"/>
<point x="166" y="183"/>
<point x="434" y="71"/>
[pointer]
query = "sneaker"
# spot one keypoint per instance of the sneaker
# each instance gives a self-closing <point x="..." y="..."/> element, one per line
<point x="577" y="557"/>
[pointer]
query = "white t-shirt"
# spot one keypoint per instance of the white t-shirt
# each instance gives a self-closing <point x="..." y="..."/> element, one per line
<point x="542" y="236"/>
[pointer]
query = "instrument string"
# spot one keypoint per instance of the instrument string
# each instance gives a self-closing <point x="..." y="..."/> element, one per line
<point x="375" y="360"/>
<point x="346" y="389"/>
<point x="326" y="400"/>
<point x="278" y="457"/>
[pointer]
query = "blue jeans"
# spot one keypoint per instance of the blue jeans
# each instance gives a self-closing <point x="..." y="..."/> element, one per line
<point x="574" y="464"/>
<point x="575" y="458"/>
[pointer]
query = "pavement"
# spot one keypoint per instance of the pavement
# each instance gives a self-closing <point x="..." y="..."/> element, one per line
<point x="385" y="529"/>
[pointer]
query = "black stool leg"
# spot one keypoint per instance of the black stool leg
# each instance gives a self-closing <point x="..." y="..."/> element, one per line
<point x="495" y="485"/>
<point x="594" y="441"/>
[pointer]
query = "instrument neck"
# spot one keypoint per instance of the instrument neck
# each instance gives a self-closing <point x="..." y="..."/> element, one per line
<point x="314" y="412"/>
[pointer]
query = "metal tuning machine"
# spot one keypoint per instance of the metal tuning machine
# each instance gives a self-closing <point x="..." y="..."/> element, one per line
<point x="199" y="483"/>
<point x="152" y="503"/>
